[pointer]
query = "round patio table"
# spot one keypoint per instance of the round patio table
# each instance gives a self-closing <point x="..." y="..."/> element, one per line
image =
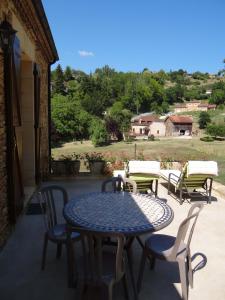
<point x="122" y="212"/>
<point x="127" y="213"/>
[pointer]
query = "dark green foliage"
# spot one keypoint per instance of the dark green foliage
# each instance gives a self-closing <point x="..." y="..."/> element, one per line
<point x="99" y="134"/>
<point x="200" y="76"/>
<point x="175" y="94"/>
<point x="68" y="74"/>
<point x="207" y="139"/>
<point x="218" y="93"/>
<point x="216" y="130"/>
<point x="70" y="121"/>
<point x="204" y="120"/>
<point x="151" y="137"/>
<point x="120" y="117"/>
<point x="180" y="77"/>
<point x="58" y="84"/>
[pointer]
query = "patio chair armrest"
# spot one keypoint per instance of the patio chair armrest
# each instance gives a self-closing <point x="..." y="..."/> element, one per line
<point x="174" y="175"/>
<point x="131" y="182"/>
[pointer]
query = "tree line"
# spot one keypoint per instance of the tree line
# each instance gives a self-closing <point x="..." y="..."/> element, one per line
<point x="100" y="105"/>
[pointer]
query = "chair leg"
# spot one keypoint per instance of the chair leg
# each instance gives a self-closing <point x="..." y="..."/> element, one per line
<point x="181" y="194"/>
<point x="130" y="266"/>
<point x="168" y="187"/>
<point x="210" y="190"/>
<point x="141" y="271"/>
<point x="125" y="286"/>
<point x="70" y="264"/>
<point x="156" y="187"/>
<point x="80" y="290"/>
<point x="59" y="251"/>
<point x="183" y="278"/>
<point x="44" y="251"/>
<point x="190" y="271"/>
<point x="110" y="291"/>
<point x="152" y="264"/>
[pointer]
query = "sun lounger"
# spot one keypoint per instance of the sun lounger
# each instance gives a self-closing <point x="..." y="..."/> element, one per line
<point x="195" y="175"/>
<point x="145" y="174"/>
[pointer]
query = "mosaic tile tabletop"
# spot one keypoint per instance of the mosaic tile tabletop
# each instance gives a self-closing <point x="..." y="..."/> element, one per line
<point x="118" y="212"/>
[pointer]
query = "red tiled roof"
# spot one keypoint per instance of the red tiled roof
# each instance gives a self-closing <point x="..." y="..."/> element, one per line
<point x="149" y="118"/>
<point x="194" y="101"/>
<point x="181" y="119"/>
<point x="180" y="105"/>
<point x="203" y="105"/>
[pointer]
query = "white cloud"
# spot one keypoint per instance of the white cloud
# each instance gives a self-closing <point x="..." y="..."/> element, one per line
<point x="85" y="53"/>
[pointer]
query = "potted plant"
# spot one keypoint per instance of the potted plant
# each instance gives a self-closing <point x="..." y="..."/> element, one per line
<point x="75" y="163"/>
<point x="66" y="165"/>
<point x="58" y="166"/>
<point x="96" y="162"/>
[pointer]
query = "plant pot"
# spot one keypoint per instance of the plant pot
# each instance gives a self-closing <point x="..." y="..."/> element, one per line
<point x="58" y="167"/>
<point x="72" y="167"/>
<point x="62" y="167"/>
<point x="96" y="167"/>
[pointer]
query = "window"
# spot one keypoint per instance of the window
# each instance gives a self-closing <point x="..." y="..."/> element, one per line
<point x="140" y="130"/>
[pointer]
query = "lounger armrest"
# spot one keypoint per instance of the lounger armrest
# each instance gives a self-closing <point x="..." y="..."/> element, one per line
<point x="173" y="175"/>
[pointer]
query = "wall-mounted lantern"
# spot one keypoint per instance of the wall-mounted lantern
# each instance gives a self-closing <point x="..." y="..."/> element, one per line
<point x="7" y="36"/>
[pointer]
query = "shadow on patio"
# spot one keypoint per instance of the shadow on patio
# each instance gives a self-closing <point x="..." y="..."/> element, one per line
<point x="20" y="261"/>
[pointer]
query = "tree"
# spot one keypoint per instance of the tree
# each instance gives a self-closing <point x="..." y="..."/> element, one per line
<point x="99" y="134"/>
<point x="204" y="120"/>
<point x="216" y="130"/>
<point x="121" y="117"/>
<point x="69" y="119"/>
<point x="58" y="84"/>
<point x="68" y="74"/>
<point x="175" y="94"/>
<point x="218" y="93"/>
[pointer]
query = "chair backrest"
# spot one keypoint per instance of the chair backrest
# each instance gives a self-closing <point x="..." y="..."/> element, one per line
<point x="186" y="229"/>
<point x="118" y="184"/>
<point x="195" y="173"/>
<point x="92" y="253"/>
<point x="144" y="167"/>
<point x="47" y="198"/>
<point x="205" y="168"/>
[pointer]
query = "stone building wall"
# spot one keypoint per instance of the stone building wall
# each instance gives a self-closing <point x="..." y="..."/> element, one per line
<point x="157" y="128"/>
<point x="44" y="155"/>
<point x="169" y="127"/>
<point x="23" y="17"/>
<point x="4" y="226"/>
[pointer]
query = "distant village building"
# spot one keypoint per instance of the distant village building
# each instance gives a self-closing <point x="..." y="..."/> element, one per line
<point x="148" y="124"/>
<point x="157" y="128"/>
<point x="178" y="125"/>
<point x="140" y="124"/>
<point x="208" y="92"/>
<point x="194" y="105"/>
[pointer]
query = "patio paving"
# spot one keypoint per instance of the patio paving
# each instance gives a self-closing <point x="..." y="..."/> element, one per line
<point x="22" y="279"/>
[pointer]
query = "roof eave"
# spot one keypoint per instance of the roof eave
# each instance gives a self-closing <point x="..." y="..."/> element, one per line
<point x="38" y="6"/>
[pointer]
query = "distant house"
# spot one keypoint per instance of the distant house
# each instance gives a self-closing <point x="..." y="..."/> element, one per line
<point x="148" y="124"/>
<point x="208" y="92"/>
<point x="194" y="105"/>
<point x="178" y="125"/>
<point x="140" y="125"/>
<point x="157" y="128"/>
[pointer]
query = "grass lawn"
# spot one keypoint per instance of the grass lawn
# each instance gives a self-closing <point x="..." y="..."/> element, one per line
<point x="178" y="149"/>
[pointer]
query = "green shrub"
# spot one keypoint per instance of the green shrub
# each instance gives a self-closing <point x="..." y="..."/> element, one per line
<point x="151" y="137"/>
<point x="216" y="130"/>
<point x="207" y="139"/>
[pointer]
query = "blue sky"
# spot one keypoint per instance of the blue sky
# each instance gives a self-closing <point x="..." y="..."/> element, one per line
<point x="130" y="35"/>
